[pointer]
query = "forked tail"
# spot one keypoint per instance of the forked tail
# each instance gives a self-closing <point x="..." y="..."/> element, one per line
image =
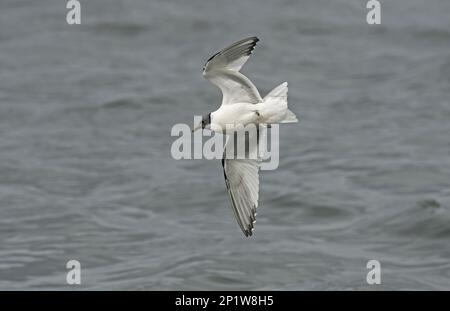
<point x="276" y="106"/>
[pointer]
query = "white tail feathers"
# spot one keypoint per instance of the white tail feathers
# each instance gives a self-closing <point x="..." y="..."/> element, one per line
<point x="290" y="117"/>
<point x="280" y="91"/>
<point x="276" y="106"/>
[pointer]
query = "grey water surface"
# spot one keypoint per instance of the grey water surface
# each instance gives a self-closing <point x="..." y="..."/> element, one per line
<point x="86" y="171"/>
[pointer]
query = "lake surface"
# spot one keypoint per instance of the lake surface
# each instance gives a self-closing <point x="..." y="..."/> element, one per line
<point x="86" y="171"/>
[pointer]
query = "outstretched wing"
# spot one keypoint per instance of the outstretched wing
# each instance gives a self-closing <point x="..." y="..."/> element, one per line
<point x="222" y="70"/>
<point x="242" y="182"/>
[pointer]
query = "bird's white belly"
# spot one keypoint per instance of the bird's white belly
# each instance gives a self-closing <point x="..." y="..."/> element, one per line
<point x="232" y="117"/>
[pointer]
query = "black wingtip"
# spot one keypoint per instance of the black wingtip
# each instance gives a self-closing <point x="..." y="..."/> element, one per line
<point x="250" y="232"/>
<point x="254" y="38"/>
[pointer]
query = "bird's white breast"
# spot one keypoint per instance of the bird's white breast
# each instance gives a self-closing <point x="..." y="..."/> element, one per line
<point x="230" y="116"/>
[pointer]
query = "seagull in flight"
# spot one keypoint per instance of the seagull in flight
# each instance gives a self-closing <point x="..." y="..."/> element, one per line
<point x="242" y="105"/>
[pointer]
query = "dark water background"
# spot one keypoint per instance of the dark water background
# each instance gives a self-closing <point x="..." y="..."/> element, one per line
<point x="86" y="171"/>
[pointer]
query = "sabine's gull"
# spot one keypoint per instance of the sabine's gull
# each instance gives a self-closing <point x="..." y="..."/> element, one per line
<point x="242" y="104"/>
